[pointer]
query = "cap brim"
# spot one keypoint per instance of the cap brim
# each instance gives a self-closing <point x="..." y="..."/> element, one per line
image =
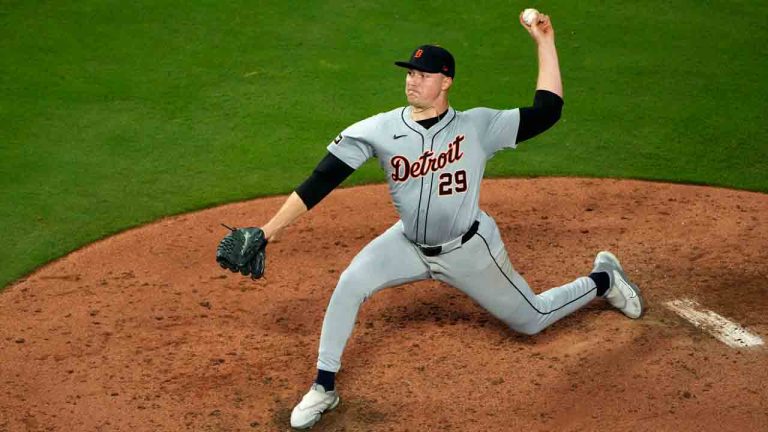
<point x="408" y="65"/>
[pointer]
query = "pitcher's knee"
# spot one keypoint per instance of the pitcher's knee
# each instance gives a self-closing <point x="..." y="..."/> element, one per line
<point x="352" y="286"/>
<point x="528" y="328"/>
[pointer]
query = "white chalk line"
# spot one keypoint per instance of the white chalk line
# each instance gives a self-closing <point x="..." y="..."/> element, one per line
<point x="730" y="333"/>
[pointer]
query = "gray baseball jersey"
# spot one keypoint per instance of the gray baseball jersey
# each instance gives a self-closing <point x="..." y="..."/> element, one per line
<point x="434" y="178"/>
<point x="434" y="174"/>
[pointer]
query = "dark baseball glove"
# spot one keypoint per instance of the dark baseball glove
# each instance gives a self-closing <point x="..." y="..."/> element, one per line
<point x="243" y="250"/>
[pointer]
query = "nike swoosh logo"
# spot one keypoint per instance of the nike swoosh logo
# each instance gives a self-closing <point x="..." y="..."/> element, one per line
<point x="396" y="136"/>
<point x="631" y="290"/>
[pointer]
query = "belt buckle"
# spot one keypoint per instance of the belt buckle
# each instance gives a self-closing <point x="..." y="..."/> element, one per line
<point x="431" y="250"/>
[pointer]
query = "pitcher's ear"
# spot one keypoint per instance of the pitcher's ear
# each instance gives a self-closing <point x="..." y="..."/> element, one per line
<point x="447" y="83"/>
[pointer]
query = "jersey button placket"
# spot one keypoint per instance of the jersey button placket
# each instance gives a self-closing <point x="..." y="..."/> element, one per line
<point x="423" y="210"/>
<point x="425" y="192"/>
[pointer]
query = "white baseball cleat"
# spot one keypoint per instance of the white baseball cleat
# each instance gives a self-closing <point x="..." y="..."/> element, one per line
<point x="622" y="294"/>
<point x="312" y="405"/>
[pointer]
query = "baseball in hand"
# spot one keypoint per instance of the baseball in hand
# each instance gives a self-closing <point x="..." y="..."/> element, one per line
<point x="529" y="15"/>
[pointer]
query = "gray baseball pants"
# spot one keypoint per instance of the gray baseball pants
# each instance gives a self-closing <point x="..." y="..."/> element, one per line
<point x="480" y="268"/>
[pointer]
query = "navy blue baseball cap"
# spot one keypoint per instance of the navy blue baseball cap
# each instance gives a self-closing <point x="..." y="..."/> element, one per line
<point x="432" y="59"/>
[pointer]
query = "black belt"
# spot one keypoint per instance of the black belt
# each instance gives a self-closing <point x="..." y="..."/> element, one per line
<point x="436" y="250"/>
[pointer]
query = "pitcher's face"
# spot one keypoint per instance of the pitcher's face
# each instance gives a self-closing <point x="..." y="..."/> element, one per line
<point x="423" y="88"/>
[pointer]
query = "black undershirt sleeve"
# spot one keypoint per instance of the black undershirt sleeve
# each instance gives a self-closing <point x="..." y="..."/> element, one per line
<point x="329" y="173"/>
<point x="544" y="113"/>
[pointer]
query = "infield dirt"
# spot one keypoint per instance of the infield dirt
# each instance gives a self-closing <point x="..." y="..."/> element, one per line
<point x="143" y="331"/>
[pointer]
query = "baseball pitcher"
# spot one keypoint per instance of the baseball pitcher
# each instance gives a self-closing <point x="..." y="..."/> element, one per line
<point x="434" y="157"/>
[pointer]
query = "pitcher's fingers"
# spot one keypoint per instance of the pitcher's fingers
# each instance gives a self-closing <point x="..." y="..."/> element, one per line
<point x="536" y="24"/>
<point x="545" y="23"/>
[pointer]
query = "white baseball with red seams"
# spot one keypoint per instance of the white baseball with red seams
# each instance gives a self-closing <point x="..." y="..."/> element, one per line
<point x="529" y="15"/>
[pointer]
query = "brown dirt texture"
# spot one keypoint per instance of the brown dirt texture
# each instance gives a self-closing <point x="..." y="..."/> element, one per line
<point x="143" y="331"/>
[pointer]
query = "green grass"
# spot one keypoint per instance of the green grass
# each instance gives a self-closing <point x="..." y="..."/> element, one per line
<point x="114" y="113"/>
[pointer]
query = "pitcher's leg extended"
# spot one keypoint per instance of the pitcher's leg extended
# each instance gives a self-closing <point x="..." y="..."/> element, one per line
<point x="389" y="260"/>
<point x="481" y="269"/>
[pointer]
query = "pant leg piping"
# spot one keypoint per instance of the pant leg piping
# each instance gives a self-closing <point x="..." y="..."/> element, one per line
<point x="518" y="289"/>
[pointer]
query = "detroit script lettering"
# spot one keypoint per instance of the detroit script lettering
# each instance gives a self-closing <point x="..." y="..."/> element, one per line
<point x="403" y="169"/>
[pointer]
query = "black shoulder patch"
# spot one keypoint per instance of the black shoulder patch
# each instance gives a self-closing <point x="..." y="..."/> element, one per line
<point x="338" y="139"/>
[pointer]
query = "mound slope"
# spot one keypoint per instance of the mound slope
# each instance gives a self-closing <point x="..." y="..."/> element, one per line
<point x="143" y="330"/>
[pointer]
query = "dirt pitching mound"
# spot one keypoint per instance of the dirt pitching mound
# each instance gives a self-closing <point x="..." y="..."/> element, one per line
<point x="144" y="332"/>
